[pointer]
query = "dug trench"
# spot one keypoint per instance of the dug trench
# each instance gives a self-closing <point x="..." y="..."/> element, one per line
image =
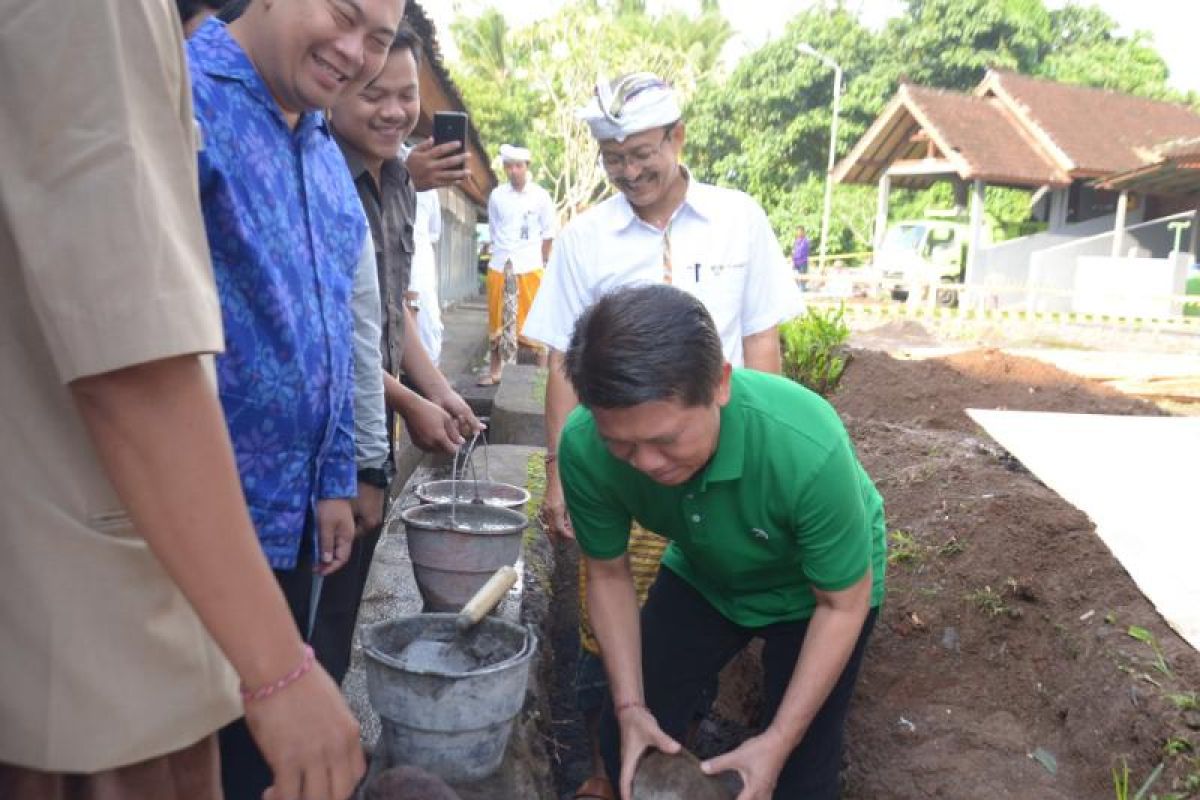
<point x="1002" y="666"/>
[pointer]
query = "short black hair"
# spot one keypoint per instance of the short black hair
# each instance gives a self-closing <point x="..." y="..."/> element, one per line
<point x="232" y="10"/>
<point x="407" y="38"/>
<point x="640" y="344"/>
<point x="190" y="8"/>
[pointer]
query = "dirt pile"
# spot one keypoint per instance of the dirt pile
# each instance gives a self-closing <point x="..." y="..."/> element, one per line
<point x="1002" y="666"/>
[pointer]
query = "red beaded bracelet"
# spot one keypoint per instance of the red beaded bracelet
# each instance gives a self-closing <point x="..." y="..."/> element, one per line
<point x="263" y="692"/>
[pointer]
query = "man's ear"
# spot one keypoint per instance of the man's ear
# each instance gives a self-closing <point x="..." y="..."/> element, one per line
<point x="679" y="135"/>
<point x="724" y="388"/>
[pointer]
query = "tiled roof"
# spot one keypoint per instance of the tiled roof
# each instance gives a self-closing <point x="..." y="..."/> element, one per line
<point x="975" y="137"/>
<point x="984" y="135"/>
<point x="1098" y="131"/>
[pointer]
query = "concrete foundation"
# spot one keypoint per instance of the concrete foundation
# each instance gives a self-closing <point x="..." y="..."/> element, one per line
<point x="518" y="411"/>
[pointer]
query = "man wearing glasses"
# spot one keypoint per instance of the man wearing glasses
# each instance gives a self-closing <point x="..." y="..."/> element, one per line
<point x="662" y="226"/>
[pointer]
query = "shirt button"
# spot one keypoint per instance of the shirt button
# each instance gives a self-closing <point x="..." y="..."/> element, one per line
<point x="695" y="517"/>
<point x="691" y="497"/>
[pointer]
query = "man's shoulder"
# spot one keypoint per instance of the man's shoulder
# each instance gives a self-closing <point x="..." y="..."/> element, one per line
<point x="604" y="216"/>
<point x="717" y="201"/>
<point x="787" y="413"/>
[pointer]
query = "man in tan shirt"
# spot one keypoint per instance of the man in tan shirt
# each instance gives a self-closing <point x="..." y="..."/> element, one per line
<point x="132" y="568"/>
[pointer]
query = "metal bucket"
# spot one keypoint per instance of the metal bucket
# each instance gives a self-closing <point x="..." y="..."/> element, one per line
<point x="453" y="723"/>
<point x="456" y="547"/>
<point x="492" y="493"/>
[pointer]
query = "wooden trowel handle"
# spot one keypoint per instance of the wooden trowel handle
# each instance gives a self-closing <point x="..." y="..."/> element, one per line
<point x="487" y="597"/>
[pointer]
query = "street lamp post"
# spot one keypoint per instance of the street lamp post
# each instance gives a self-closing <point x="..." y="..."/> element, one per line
<point x="827" y="208"/>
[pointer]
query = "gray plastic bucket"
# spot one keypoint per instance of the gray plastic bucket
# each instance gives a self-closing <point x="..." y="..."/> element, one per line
<point x="492" y="493"/>
<point x="453" y="561"/>
<point x="455" y="724"/>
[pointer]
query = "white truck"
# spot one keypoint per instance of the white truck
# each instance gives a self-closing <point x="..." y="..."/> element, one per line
<point x="919" y="254"/>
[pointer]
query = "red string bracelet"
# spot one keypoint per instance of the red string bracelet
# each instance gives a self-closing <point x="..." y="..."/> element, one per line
<point x="627" y="705"/>
<point x="263" y="692"/>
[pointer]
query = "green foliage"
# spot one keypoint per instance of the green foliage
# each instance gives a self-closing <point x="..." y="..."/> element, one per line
<point x="1146" y="637"/>
<point x="813" y="348"/>
<point x="524" y="86"/>
<point x="988" y="600"/>
<point x="764" y="128"/>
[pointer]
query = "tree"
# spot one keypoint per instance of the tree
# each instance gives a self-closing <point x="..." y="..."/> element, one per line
<point x="765" y="128"/>
<point x="548" y="70"/>
<point x="1084" y="48"/>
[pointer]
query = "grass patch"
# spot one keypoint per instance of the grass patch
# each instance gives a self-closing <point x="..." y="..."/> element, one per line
<point x="988" y="600"/>
<point x="1121" y="782"/>
<point x="538" y="389"/>
<point x="1186" y="701"/>
<point x="951" y="547"/>
<point x="535" y="482"/>
<point x="1146" y="637"/>
<point x="903" y="548"/>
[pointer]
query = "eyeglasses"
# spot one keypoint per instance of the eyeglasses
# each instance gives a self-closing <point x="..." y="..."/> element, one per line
<point x="615" y="162"/>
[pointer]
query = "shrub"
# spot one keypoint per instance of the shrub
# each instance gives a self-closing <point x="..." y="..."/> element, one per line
<point x="814" y="348"/>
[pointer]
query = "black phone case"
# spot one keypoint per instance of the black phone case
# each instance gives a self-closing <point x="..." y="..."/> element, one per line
<point x="449" y="126"/>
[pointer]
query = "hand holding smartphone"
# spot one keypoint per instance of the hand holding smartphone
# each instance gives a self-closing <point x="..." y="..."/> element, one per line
<point x="450" y="126"/>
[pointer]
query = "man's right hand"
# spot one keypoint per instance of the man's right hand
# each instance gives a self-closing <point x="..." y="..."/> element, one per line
<point x="554" y="517"/>
<point x="433" y="167"/>
<point x="639" y="733"/>
<point x="432" y="428"/>
<point x="309" y="738"/>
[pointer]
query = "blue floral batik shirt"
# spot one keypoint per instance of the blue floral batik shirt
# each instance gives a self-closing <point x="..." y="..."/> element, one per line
<point x="286" y="229"/>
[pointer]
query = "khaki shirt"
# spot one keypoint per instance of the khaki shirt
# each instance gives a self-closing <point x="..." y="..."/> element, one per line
<point x="103" y="265"/>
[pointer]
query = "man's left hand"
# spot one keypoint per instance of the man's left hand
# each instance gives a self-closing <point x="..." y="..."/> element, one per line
<point x="368" y="508"/>
<point x="335" y="534"/>
<point x="433" y="167"/>
<point x="460" y="411"/>
<point x="758" y="761"/>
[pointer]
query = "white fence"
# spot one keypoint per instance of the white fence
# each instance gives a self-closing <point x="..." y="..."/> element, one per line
<point x="1045" y="280"/>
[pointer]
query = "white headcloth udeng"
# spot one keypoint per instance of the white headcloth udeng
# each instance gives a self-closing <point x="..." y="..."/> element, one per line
<point x="631" y="104"/>
<point x="512" y="153"/>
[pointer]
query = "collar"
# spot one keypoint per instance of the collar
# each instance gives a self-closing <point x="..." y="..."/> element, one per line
<point x="392" y="169"/>
<point x="697" y="199"/>
<point x="218" y="54"/>
<point x="729" y="461"/>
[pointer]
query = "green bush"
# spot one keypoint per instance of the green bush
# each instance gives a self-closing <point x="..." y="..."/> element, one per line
<point x="814" y="348"/>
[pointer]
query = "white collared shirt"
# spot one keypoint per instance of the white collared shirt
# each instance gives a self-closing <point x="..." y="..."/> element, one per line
<point x="722" y="251"/>
<point x="519" y="222"/>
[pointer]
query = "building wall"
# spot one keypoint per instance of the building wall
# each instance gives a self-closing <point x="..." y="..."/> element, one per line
<point x="457" y="251"/>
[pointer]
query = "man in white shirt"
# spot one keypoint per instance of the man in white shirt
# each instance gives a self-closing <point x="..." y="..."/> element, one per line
<point x="427" y="231"/>
<point x="661" y="227"/>
<point x="521" y="220"/>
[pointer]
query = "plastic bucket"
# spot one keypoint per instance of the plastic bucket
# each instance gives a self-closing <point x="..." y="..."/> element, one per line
<point x="453" y="723"/>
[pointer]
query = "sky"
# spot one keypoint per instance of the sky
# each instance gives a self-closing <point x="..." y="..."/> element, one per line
<point x="1173" y="24"/>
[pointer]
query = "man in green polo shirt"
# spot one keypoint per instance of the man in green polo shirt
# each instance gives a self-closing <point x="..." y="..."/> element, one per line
<point x="776" y="533"/>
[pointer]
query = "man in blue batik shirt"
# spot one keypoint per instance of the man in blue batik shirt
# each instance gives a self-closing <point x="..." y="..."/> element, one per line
<point x="286" y="231"/>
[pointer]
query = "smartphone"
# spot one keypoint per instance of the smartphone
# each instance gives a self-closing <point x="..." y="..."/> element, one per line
<point x="450" y="126"/>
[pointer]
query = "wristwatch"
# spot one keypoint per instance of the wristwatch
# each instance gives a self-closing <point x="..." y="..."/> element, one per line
<point x="373" y="476"/>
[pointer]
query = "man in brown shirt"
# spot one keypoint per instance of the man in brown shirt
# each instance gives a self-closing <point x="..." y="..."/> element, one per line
<point x="134" y="571"/>
<point x="371" y="126"/>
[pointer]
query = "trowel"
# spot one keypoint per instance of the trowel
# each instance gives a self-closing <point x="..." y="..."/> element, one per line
<point x="431" y="655"/>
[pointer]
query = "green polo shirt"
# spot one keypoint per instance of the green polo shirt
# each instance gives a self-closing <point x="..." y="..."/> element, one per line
<point x="782" y="507"/>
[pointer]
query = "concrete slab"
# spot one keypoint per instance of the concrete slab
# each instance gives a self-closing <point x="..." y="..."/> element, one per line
<point x="518" y="410"/>
<point x="1134" y="476"/>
